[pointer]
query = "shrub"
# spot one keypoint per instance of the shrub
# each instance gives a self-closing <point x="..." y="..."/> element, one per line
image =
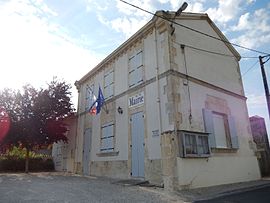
<point x="18" y="165"/>
<point x="14" y="160"/>
<point x="20" y="153"/>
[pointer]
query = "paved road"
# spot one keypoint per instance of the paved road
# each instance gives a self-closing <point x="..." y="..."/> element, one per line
<point x="40" y="187"/>
<point x="261" y="195"/>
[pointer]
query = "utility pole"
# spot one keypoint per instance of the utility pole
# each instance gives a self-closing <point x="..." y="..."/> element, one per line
<point x="265" y="81"/>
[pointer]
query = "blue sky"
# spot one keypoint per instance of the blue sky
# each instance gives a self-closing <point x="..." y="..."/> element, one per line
<point x="40" y="39"/>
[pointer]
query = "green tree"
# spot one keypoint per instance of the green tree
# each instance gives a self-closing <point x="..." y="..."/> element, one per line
<point x="36" y="116"/>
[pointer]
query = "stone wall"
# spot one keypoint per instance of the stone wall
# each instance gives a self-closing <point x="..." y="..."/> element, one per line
<point x="153" y="172"/>
<point x="169" y="152"/>
<point x="114" y="169"/>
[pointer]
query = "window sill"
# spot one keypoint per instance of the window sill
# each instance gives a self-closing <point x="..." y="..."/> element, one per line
<point x="105" y="154"/>
<point x="223" y="150"/>
<point x="196" y="156"/>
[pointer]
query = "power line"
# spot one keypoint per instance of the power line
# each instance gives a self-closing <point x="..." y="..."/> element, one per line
<point x="192" y="29"/>
<point x="251" y="67"/>
<point x="212" y="52"/>
<point x="267" y="59"/>
<point x="255" y="64"/>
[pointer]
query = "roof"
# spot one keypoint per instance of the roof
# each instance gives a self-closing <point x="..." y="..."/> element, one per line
<point x="163" y="15"/>
<point x="256" y="117"/>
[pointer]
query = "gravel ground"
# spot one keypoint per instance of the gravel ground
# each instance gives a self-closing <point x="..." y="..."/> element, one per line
<point x="55" y="187"/>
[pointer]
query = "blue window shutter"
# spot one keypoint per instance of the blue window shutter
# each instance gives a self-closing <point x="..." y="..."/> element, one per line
<point x="139" y="75"/>
<point x="233" y="132"/>
<point x="132" y="78"/>
<point x="209" y="127"/>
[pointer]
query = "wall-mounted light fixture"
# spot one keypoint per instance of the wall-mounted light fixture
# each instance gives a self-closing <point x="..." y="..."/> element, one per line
<point x="120" y="110"/>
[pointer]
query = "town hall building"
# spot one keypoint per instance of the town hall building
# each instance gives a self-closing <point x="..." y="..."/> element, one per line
<point x="175" y="111"/>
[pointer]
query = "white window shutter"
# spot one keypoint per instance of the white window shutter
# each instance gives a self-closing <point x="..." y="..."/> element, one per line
<point x="233" y="132"/>
<point x="209" y="127"/>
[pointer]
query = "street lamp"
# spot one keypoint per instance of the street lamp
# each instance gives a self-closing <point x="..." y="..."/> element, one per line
<point x="182" y="8"/>
<point x="178" y="13"/>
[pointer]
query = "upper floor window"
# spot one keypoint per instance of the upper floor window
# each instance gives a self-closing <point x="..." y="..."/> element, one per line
<point x="89" y="96"/>
<point x="221" y="128"/>
<point x="109" y="84"/>
<point x="135" y="69"/>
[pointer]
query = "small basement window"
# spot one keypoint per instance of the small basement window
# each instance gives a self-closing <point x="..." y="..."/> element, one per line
<point x="193" y="144"/>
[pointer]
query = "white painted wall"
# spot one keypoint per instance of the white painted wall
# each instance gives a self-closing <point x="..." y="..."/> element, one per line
<point x="221" y="71"/>
<point x="220" y="168"/>
<point x="121" y="74"/>
<point x="237" y="109"/>
<point x="152" y="122"/>
<point x="226" y="169"/>
<point x="122" y="130"/>
<point x="79" y="139"/>
<point x="64" y="153"/>
<point x="214" y="69"/>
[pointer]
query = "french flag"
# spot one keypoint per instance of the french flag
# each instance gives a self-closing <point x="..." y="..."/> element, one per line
<point x="98" y="103"/>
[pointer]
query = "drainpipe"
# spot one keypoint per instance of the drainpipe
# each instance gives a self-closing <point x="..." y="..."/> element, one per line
<point x="187" y="84"/>
<point x="158" y="85"/>
<point x="75" y="167"/>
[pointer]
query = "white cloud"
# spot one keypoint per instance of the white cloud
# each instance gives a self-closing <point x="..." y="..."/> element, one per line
<point x="251" y="1"/>
<point x="33" y="50"/>
<point x="128" y="26"/>
<point x="95" y="5"/>
<point x="193" y="5"/>
<point x="243" y="23"/>
<point x="129" y="10"/>
<point x="175" y="4"/>
<point x="227" y="10"/>
<point x="255" y="27"/>
<point x="132" y="18"/>
<point x="197" y="7"/>
<point x="255" y="101"/>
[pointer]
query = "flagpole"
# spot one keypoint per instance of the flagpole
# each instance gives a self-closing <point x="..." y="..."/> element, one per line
<point x="89" y="89"/>
<point x="106" y="109"/>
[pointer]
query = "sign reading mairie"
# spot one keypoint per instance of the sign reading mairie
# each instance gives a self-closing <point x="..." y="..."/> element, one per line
<point x="136" y="100"/>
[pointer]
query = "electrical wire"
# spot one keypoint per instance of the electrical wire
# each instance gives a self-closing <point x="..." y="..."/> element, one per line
<point x="194" y="30"/>
<point x="251" y="67"/>
<point x="212" y="52"/>
<point x="267" y="59"/>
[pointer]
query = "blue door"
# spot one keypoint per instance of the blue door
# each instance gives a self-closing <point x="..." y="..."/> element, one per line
<point x="137" y="140"/>
<point x="86" y="151"/>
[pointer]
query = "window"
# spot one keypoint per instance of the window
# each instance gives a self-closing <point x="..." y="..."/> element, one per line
<point x="89" y="96"/>
<point x="107" y="138"/>
<point x="135" y="69"/>
<point x="194" y="144"/>
<point x="222" y="130"/>
<point x="108" y="84"/>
